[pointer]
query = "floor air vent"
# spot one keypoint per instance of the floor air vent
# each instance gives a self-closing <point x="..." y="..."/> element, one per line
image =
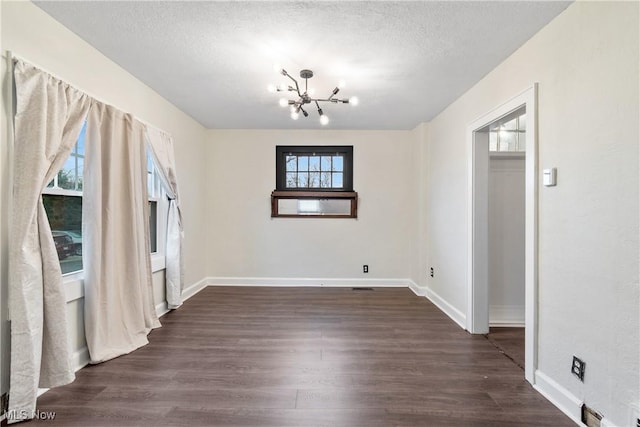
<point x="361" y="289"/>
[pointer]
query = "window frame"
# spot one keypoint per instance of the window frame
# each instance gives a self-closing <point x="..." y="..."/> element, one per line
<point x="157" y="194"/>
<point x="282" y="151"/>
<point x="303" y="194"/>
<point x="74" y="280"/>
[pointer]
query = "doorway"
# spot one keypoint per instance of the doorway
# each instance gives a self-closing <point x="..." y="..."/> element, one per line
<point x="480" y="138"/>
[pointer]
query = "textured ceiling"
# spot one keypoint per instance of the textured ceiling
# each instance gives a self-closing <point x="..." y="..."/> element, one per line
<point x="405" y="61"/>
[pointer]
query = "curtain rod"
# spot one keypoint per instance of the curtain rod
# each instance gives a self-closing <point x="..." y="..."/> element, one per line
<point x="11" y="57"/>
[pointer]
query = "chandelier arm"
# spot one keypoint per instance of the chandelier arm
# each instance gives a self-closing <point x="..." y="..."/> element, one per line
<point x="296" y="82"/>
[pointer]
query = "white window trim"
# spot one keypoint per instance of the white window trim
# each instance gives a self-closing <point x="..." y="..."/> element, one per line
<point x="158" y="258"/>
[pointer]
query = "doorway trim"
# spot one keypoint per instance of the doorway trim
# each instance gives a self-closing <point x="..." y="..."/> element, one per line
<point x="477" y="316"/>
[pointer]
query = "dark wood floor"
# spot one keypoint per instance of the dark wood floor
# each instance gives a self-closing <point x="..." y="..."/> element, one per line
<point x="234" y="356"/>
<point x="509" y="341"/>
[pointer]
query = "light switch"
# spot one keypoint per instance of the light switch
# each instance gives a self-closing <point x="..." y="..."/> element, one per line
<point x="549" y="177"/>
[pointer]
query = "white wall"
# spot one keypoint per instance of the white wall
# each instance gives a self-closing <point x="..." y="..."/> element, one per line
<point x="34" y="36"/>
<point x="587" y="64"/>
<point x="245" y="242"/>
<point x="506" y="240"/>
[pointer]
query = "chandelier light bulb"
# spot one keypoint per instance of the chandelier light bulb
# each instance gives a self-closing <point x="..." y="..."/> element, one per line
<point x="295" y="115"/>
<point x="283" y="102"/>
<point x="342" y="84"/>
<point x="354" y="101"/>
<point x="324" y="120"/>
<point x="272" y="88"/>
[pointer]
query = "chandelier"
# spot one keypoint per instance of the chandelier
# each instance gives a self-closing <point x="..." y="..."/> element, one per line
<point x="296" y="106"/>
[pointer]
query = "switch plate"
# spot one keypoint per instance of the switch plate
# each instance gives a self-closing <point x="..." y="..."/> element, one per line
<point x="549" y="177"/>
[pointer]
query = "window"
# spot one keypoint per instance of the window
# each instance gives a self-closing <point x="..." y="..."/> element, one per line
<point x="509" y="133"/>
<point x="62" y="200"/>
<point x="326" y="168"/>
<point x="314" y="181"/>
<point x="158" y="206"/>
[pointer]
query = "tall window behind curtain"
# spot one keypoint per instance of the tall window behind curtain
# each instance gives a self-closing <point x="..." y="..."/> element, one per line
<point x="116" y="236"/>
<point x="49" y="116"/>
<point x="161" y="146"/>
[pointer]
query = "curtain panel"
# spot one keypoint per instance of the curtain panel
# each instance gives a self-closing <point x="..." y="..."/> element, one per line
<point x="161" y="145"/>
<point x="49" y="116"/>
<point x="118" y="302"/>
<point x="119" y="306"/>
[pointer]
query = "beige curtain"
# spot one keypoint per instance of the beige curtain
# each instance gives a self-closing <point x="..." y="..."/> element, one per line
<point x="161" y="145"/>
<point x="49" y="116"/>
<point x="118" y="305"/>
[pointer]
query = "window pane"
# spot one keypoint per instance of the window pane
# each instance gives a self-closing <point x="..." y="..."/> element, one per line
<point x="338" y="165"/>
<point x="314" y="163"/>
<point x="303" y="179"/>
<point x="507" y="141"/>
<point x="79" y="172"/>
<point x="339" y="207"/>
<point x="522" y="122"/>
<point x="325" y="163"/>
<point x="65" y="218"/>
<point x="522" y="141"/>
<point x="314" y="179"/>
<point x="153" y="226"/>
<point x="291" y="163"/>
<point x="303" y="163"/>
<point x="325" y="180"/>
<point x="337" y="180"/>
<point x="292" y="180"/>
<point x="493" y="141"/>
<point x="317" y="163"/>
<point x="308" y="206"/>
<point x="67" y="175"/>
<point x="79" y="149"/>
<point x="510" y="125"/>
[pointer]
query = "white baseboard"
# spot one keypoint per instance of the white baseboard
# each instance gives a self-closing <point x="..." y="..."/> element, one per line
<point x="80" y="358"/>
<point x="162" y="309"/>
<point x="506" y="315"/>
<point x="306" y="282"/>
<point x="418" y="290"/>
<point x="559" y="396"/>
<point x="456" y="315"/>
<point x="190" y="291"/>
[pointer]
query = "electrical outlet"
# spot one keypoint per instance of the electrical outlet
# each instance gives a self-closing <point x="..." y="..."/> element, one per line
<point x="431" y="272"/>
<point x="577" y="368"/>
<point x="365" y="268"/>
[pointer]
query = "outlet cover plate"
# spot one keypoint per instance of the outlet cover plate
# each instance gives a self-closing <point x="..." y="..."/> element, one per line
<point x="577" y="368"/>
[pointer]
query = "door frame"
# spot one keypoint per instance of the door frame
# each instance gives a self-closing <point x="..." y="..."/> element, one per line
<point x="477" y="316"/>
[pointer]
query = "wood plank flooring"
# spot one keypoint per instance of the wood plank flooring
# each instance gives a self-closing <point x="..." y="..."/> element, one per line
<point x="510" y="341"/>
<point x="242" y="356"/>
